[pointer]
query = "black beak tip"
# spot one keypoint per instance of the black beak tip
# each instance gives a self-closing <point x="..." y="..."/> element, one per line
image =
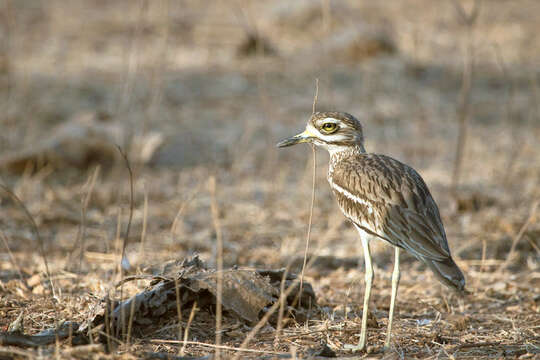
<point x="284" y="143"/>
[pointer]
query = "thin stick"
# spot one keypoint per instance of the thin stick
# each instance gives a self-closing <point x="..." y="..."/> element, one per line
<point x="214" y="346"/>
<point x="219" y="262"/>
<point x="130" y="323"/>
<point x="81" y="234"/>
<point x="282" y="299"/>
<point x="108" y="322"/>
<point x="532" y="214"/>
<point x="178" y="307"/>
<point x="483" y="261"/>
<point x="310" y="222"/>
<point x="11" y="257"/>
<point x="131" y="204"/>
<point x="468" y="20"/>
<point x="117" y="238"/>
<point x="287" y="292"/>
<point x="313" y="178"/>
<point x="316" y="97"/>
<point x="272" y="310"/>
<point x="124" y="262"/>
<point x="145" y="220"/>
<point x="533" y="245"/>
<point x="12" y="350"/>
<point x="186" y="330"/>
<point x="183" y="206"/>
<point x="18" y="201"/>
<point x="119" y="271"/>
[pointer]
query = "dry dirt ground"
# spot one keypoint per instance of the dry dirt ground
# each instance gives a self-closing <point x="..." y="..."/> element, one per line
<point x="197" y="94"/>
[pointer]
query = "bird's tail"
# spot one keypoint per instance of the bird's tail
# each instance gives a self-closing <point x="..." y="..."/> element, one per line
<point x="448" y="273"/>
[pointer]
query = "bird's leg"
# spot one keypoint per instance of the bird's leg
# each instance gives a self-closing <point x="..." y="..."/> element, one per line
<point x="369" y="280"/>
<point x="395" y="284"/>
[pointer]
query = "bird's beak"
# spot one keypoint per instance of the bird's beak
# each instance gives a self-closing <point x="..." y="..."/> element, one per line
<point x="305" y="137"/>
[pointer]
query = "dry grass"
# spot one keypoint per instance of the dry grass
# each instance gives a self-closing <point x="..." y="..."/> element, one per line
<point x="175" y="69"/>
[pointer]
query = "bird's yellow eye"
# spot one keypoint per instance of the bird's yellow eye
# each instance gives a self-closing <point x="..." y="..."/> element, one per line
<point x="329" y="127"/>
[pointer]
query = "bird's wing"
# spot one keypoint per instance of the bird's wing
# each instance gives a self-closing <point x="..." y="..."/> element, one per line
<point x="390" y="200"/>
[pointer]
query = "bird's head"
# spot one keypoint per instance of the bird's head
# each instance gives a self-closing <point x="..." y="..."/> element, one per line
<point x="334" y="131"/>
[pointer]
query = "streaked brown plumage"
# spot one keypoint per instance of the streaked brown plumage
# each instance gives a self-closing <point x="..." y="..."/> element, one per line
<point x="404" y="213"/>
<point x="383" y="198"/>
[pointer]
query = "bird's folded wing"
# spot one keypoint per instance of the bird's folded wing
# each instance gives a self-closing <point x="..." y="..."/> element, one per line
<point x="405" y="214"/>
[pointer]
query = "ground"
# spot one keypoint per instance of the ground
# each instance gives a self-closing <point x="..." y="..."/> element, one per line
<point x="196" y="95"/>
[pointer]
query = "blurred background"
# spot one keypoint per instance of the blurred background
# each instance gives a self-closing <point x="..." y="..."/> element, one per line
<point x="192" y="90"/>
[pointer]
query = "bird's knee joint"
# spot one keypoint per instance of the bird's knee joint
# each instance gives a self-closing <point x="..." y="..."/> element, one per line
<point x="369" y="276"/>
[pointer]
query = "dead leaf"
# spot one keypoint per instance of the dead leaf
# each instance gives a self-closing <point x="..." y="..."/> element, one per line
<point x="245" y="293"/>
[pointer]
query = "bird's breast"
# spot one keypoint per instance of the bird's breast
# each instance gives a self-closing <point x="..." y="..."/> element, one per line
<point x="357" y="208"/>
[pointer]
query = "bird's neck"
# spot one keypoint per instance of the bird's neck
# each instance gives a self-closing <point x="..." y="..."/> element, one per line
<point x="340" y="151"/>
<point x="337" y="153"/>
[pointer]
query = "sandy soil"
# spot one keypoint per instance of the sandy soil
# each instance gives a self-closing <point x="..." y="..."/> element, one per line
<point x="193" y="92"/>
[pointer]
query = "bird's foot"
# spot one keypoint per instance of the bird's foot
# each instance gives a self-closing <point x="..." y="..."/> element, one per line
<point x="355" y="348"/>
<point x="366" y="349"/>
<point x="387" y="343"/>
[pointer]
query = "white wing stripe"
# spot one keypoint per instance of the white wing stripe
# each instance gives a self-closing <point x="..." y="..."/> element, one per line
<point x="351" y="196"/>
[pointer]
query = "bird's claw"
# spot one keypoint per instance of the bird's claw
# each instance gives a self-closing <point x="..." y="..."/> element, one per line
<point x="355" y="348"/>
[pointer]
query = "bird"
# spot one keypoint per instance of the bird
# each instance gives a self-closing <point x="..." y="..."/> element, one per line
<point x="384" y="199"/>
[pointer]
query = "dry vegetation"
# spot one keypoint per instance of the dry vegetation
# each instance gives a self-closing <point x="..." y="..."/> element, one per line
<point x="194" y="92"/>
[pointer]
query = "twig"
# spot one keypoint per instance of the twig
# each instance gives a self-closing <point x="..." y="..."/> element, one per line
<point x="144" y="224"/>
<point x="219" y="262"/>
<point x="133" y="278"/>
<point x="131" y="206"/>
<point x="473" y="345"/>
<point x="18" y="201"/>
<point x="313" y="178"/>
<point x="288" y="291"/>
<point x="45" y="338"/>
<point x="159" y="63"/>
<point x="108" y="329"/>
<point x="186" y="330"/>
<point x="468" y="20"/>
<point x="281" y="303"/>
<point x="532" y="214"/>
<point x="272" y="310"/>
<point x="517" y="146"/>
<point x="83" y="350"/>
<point x="316" y="96"/>
<point x="130" y="322"/>
<point x="10" y="254"/>
<point x="178" y="308"/>
<point x="81" y="233"/>
<point x="214" y="346"/>
<point x="124" y="262"/>
<point x="533" y="245"/>
<point x="13" y="352"/>
<point x="130" y="73"/>
<point x="117" y="240"/>
<point x="183" y="206"/>
<point x="310" y="222"/>
<point x="110" y="339"/>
